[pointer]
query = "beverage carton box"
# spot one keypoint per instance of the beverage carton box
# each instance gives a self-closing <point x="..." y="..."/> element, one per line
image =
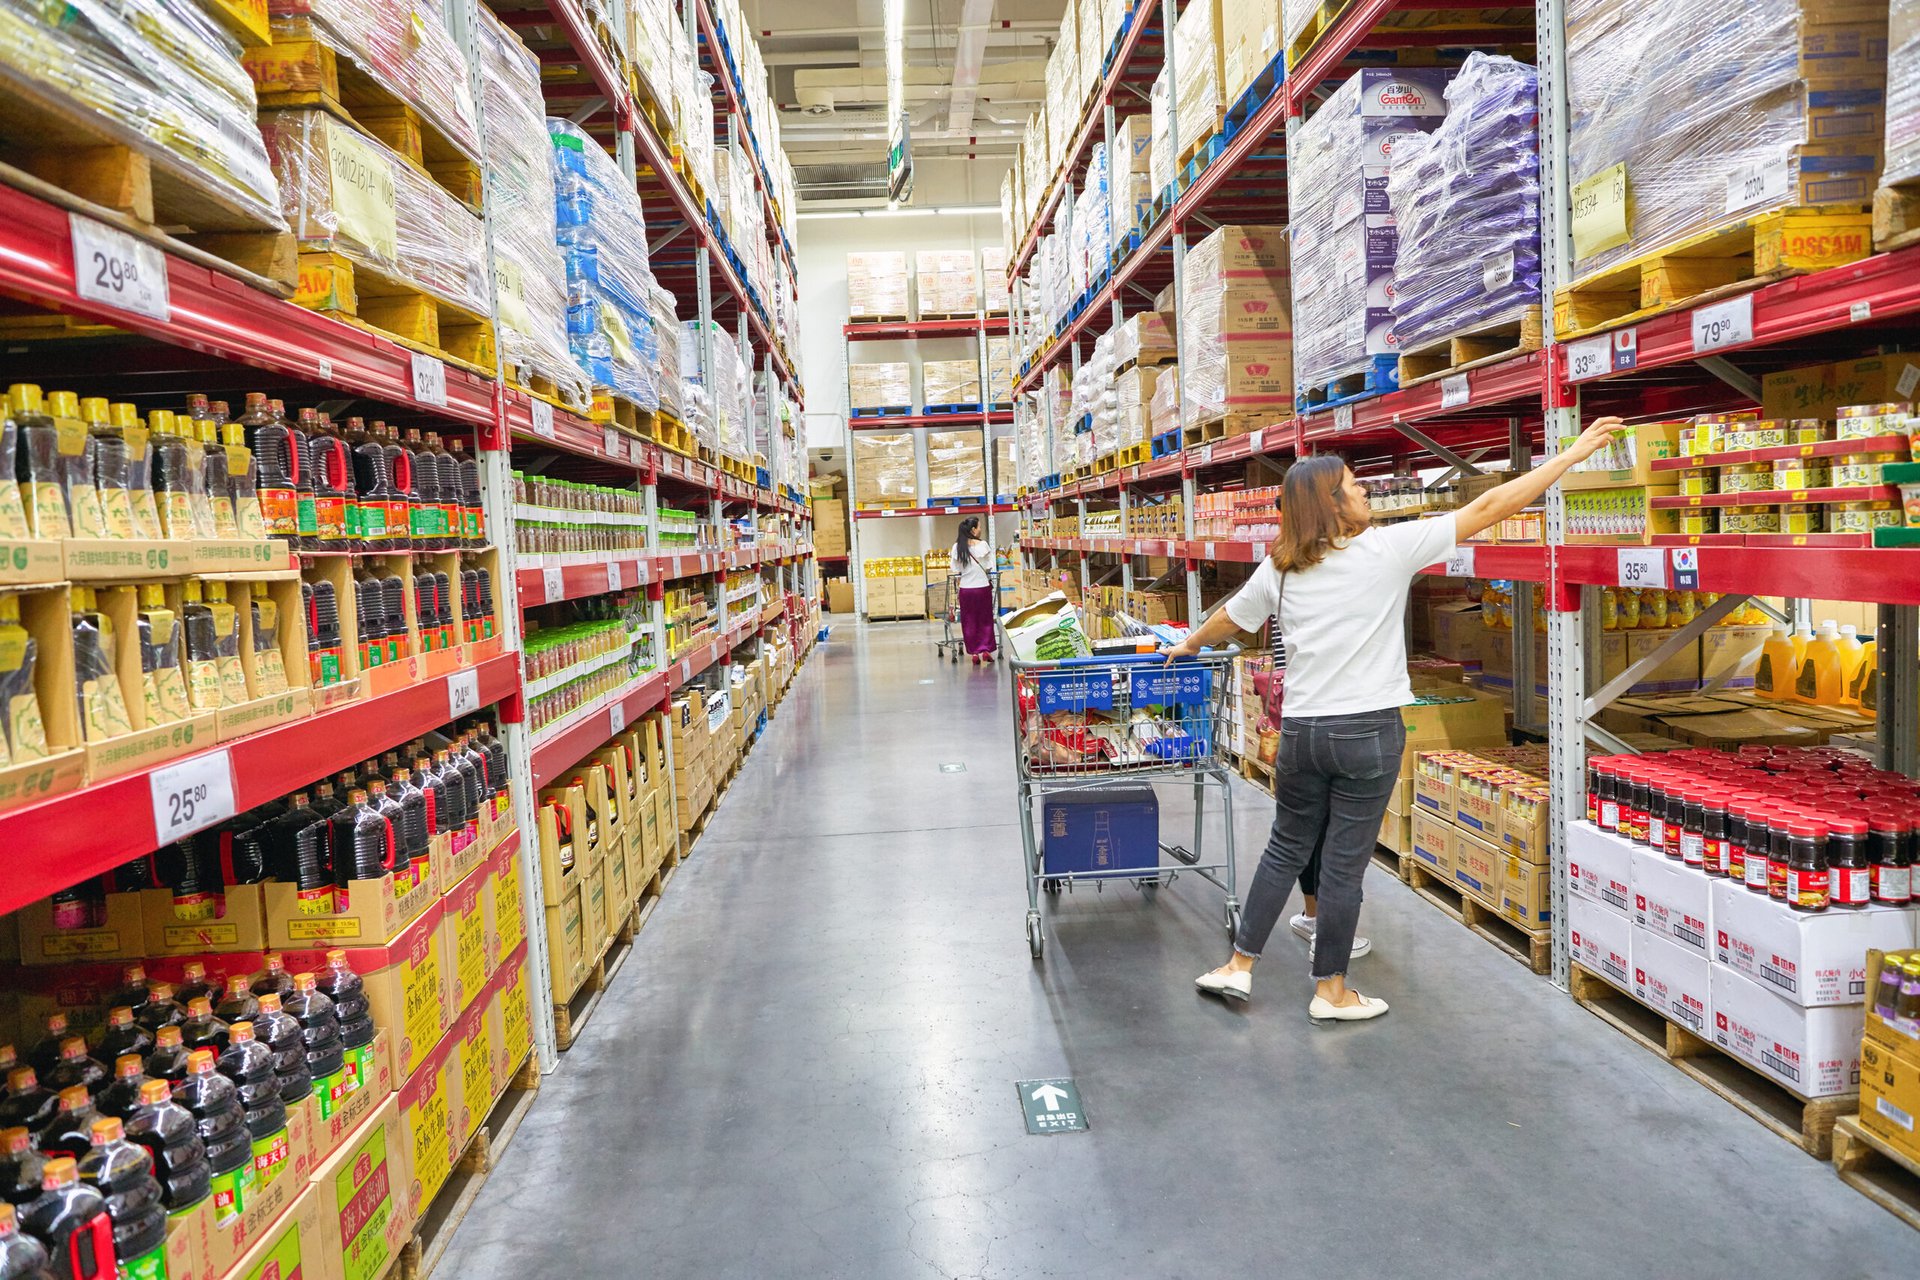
<point x="1433" y="843"/>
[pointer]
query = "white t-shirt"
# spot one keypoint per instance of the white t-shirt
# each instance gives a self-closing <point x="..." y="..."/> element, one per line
<point x="975" y="574"/>
<point x="1344" y="619"/>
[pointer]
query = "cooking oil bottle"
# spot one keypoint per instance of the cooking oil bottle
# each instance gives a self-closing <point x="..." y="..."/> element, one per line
<point x="160" y="659"/>
<point x="38" y="462"/>
<point x="1821" y="681"/>
<point x="1774" y="675"/>
<point x="132" y="429"/>
<point x="76" y="449"/>
<point x="212" y="456"/>
<point x="96" y="670"/>
<point x="112" y="469"/>
<point x="178" y="488"/>
<point x="269" y="668"/>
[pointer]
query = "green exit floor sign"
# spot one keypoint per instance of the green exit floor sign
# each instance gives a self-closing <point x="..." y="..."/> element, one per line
<point x="1052" y="1106"/>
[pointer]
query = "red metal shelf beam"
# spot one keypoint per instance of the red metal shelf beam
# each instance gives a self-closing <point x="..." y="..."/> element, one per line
<point x="998" y="509"/>
<point x="558" y="751"/>
<point x="935" y="421"/>
<point x="911" y="330"/>
<point x="577" y="581"/>
<point x="90" y="831"/>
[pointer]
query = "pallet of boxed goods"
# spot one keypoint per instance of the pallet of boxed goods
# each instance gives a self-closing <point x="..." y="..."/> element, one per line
<point x="1896" y="204"/>
<point x="1681" y="195"/>
<point x="1876" y="1151"/>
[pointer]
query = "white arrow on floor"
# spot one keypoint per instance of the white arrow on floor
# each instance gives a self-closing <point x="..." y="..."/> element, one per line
<point x="1051" y="1094"/>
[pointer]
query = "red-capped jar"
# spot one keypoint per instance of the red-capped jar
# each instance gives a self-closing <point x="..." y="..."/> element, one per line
<point x="1890" y="855"/>
<point x="1809" y="885"/>
<point x="1849" y="863"/>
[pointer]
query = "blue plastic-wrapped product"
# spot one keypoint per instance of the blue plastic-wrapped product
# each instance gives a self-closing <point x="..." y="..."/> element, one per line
<point x="1466" y="201"/>
<point x="602" y="234"/>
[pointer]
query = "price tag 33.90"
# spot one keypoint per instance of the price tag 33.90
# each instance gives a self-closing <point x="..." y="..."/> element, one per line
<point x="191" y="796"/>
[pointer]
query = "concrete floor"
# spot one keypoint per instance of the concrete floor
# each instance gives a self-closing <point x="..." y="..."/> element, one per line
<point x="807" y="1066"/>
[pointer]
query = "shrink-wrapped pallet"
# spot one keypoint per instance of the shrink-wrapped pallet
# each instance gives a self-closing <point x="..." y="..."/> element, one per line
<point x="1162" y="157"/>
<point x="601" y="231"/>
<point x="346" y="193"/>
<point x="1903" y="92"/>
<point x="993" y="280"/>
<point x="999" y="371"/>
<point x="1250" y="40"/>
<point x="1145" y="337"/>
<point x="876" y="285"/>
<point x="530" y="279"/>
<point x="1006" y="477"/>
<point x="156" y="76"/>
<point x="719" y="396"/>
<point x="1466" y="199"/>
<point x="955" y="466"/>
<point x="1129" y="183"/>
<point x="884" y="467"/>
<point x="1238" y="325"/>
<point x="944" y="382"/>
<point x="886" y="384"/>
<point x="947" y="282"/>
<point x="1032" y="439"/>
<point x="1197" y="63"/>
<point x="667" y="374"/>
<point x="1163" y="413"/>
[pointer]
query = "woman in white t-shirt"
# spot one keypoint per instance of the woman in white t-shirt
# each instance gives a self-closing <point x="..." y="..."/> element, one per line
<point x="1338" y="590"/>
<point x="975" y="590"/>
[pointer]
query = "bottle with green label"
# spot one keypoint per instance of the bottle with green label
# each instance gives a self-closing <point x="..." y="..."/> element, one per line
<point x="122" y="1172"/>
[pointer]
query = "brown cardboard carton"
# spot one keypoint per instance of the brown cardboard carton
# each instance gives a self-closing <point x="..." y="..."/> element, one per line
<point x="1433" y="843"/>
<point x="1477" y="867"/>
<point x="406" y="983"/>
<point x="232" y="920"/>
<point x="566" y="944"/>
<point x="120" y="935"/>
<point x="463" y="942"/>
<point x="295" y="1244"/>
<point x="364" y="1191"/>
<point x="1526" y="893"/>
<point x="426" y="1102"/>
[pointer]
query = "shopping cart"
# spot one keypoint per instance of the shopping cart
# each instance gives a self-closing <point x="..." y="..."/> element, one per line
<point x="1087" y="724"/>
<point x="943" y="602"/>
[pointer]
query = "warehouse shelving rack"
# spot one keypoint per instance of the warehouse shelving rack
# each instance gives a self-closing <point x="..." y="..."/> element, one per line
<point x="225" y="337"/>
<point x="1657" y="367"/>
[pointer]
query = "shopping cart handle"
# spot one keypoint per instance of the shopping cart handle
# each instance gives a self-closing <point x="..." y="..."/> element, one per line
<point x="1139" y="659"/>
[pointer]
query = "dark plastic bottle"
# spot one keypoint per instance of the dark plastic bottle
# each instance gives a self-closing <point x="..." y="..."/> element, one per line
<point x="172" y="1138"/>
<point x="45" y="1054"/>
<point x="273" y="977"/>
<point x="70" y="1218"/>
<point x="411" y="826"/>
<point x="332" y="485"/>
<point x="194" y="984"/>
<point x="249" y="1064"/>
<point x="431" y="790"/>
<point x="168" y="1061"/>
<point x="123" y="1035"/>
<point x="122" y="1172"/>
<point x="27" y="1103"/>
<point x="21" y="1164"/>
<point x="123" y="1095"/>
<point x="281" y="1033"/>
<point x="239" y="1003"/>
<point x="215" y="1106"/>
<point x="361" y="841"/>
<point x="78" y="1067"/>
<point x="134" y="987"/>
<point x="319" y="1025"/>
<point x="473" y="530"/>
<point x="21" y="1256"/>
<point x="323" y="631"/>
<point x="203" y="1030"/>
<point x="343" y="986"/>
<point x="401" y="487"/>
<point x="161" y="1009"/>
<point x="452" y="800"/>
<point x="277" y="459"/>
<point x="448" y="473"/>
<point x="71" y="1133"/>
<point x="426" y="493"/>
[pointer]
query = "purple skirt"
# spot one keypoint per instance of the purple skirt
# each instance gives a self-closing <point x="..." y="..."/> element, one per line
<point x="976" y="618"/>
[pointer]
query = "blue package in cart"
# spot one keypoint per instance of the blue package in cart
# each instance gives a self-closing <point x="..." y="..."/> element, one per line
<point x="1170" y="704"/>
<point x="1101" y="831"/>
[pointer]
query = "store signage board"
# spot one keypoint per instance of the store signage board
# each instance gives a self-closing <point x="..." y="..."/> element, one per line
<point x="1052" y="1106"/>
<point x="191" y="796"/>
<point x="117" y="270"/>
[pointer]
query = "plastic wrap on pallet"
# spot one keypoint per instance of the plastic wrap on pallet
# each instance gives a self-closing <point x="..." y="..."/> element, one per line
<point x="1903" y="92"/>
<point x="668" y="381"/>
<point x="601" y="231"/>
<point x="157" y="76"/>
<point x="1238" y="324"/>
<point x="947" y="281"/>
<point x="1130" y="184"/>
<point x="652" y="30"/>
<point x="993" y="280"/>
<point x="723" y="390"/>
<point x="1162" y="153"/>
<point x="999" y="371"/>
<point x="1010" y="221"/>
<point x="950" y="382"/>
<point x="886" y="384"/>
<point x="1250" y="40"/>
<point x="1686" y="117"/>
<point x="1093" y="219"/>
<point x="1342" y="230"/>
<point x="1163" y="412"/>
<point x="346" y="193"/>
<point x="1146" y="337"/>
<point x="530" y="278"/>
<point x="1299" y="16"/>
<point x="884" y="468"/>
<point x="1466" y="201"/>
<point x="876" y="284"/>
<point x="402" y="44"/>
<point x="1197" y="63"/>
<point x="956" y="467"/>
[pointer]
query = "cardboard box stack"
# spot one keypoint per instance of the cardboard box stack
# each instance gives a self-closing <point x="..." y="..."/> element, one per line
<point x="877" y="286"/>
<point x="955" y="466"/>
<point x="1447" y="716"/>
<point x="993" y="280"/>
<point x="895" y="587"/>
<point x="1129" y="184"/>
<point x="999" y="371"/>
<point x="1250" y="42"/>
<point x="948" y="283"/>
<point x="1005" y="479"/>
<point x="1890" y="1051"/>
<point x="950" y="382"/>
<point x="884" y="469"/>
<point x="1200" y="64"/>
<point x="885" y="385"/>
<point x="1238" y="326"/>
<point x="1480" y="822"/>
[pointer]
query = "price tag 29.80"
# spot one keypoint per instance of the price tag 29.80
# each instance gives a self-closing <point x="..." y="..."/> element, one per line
<point x="191" y="796"/>
<point x="1642" y="567"/>
<point x="463" y="694"/>
<point x="117" y="270"/>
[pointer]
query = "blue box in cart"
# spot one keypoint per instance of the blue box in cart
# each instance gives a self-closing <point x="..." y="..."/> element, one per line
<point x="1100" y="832"/>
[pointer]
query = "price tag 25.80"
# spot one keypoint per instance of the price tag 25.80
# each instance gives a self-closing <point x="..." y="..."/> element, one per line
<point x="192" y="795"/>
<point x="117" y="270"/>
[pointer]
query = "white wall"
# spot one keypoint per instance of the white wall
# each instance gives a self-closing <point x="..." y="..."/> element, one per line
<point x="822" y="251"/>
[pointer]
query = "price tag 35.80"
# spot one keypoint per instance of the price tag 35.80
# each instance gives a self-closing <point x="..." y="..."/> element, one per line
<point x="191" y="796"/>
<point x="117" y="270"/>
<point x="1642" y="567"/>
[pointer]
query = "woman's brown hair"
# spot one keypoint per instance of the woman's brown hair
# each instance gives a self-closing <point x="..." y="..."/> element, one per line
<point x="1310" y="519"/>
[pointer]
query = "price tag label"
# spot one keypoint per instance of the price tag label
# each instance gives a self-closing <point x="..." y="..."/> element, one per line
<point x="1758" y="183"/>
<point x="610" y="443"/>
<point x="1589" y="358"/>
<point x="429" y="380"/>
<point x="685" y="670"/>
<point x="1642" y="567"/>
<point x="1862" y="310"/>
<point x="1254" y="441"/>
<point x="326" y="369"/>
<point x="1454" y="391"/>
<point x="1460" y="563"/>
<point x="617" y="716"/>
<point x="613" y="575"/>
<point x="1343" y="418"/>
<point x="550" y="581"/>
<point x="463" y="694"/>
<point x="117" y="270"/>
<point x="1724" y="324"/>
<point x="1208" y="547"/>
<point x="542" y="418"/>
<point x="191" y="796"/>
<point x="1206" y="454"/>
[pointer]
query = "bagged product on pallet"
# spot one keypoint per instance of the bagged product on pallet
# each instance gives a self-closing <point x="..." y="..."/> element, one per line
<point x="1238" y="325"/>
<point x="1903" y="93"/>
<point x="158" y="77"/>
<point x="884" y="467"/>
<point x="718" y="397"/>
<point x="529" y="276"/>
<point x="1092" y="224"/>
<point x="876" y="285"/>
<point x="1685" y="118"/>
<point x="404" y="46"/>
<point x="601" y="231"/>
<point x="947" y="282"/>
<point x="1466" y="201"/>
<point x="1035" y="444"/>
<point x="1161" y="157"/>
<point x="348" y="194"/>
<point x="944" y="382"/>
<point x="1197" y="60"/>
<point x="667" y="379"/>
<point x="956" y="467"/>
<point x="885" y="385"/>
<point x="1343" y="234"/>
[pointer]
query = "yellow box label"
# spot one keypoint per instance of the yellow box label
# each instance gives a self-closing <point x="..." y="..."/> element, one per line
<point x="1600" y="212"/>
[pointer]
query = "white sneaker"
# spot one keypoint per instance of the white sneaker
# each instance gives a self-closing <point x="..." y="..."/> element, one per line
<point x="1304" y="925"/>
<point x="1234" y="985"/>
<point x="1369" y="1007"/>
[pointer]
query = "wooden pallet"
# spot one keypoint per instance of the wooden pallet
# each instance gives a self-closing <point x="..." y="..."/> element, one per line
<point x="435" y="1231"/>
<point x="569" y="1016"/>
<point x="1323" y="18"/>
<point x="1896" y="217"/>
<point x="1741" y="255"/>
<point x="669" y="432"/>
<point x="886" y="504"/>
<point x="1873" y="1168"/>
<point x="949" y="315"/>
<point x="611" y="409"/>
<point x="1534" y="950"/>
<point x="1391" y="861"/>
<point x="877" y="319"/>
<point x="1210" y="142"/>
<point x="300" y="70"/>
<point x="364" y="297"/>
<point x="1226" y="427"/>
<point x="541" y="387"/>
<point x="1807" y="1123"/>
<point x="1479" y="345"/>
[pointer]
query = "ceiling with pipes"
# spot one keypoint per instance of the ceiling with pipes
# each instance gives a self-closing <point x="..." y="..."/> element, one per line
<point x="974" y="70"/>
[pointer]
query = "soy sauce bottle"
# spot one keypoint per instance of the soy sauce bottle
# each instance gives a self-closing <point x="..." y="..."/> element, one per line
<point x="71" y="1218"/>
<point x="22" y="1166"/>
<point x="123" y="1035"/>
<point x="168" y="1061"/>
<point x="172" y="1138"/>
<point x="21" y="1256"/>
<point x="122" y="1172"/>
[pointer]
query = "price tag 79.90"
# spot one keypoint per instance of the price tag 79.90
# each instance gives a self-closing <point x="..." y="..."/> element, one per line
<point x="1642" y="567"/>
<point x="192" y="795"/>
<point x="463" y="694"/>
<point x="117" y="270"/>
<point x="1724" y="324"/>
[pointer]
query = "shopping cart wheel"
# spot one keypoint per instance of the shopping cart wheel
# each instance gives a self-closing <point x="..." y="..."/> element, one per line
<point x="1036" y="940"/>
<point x="1233" y="921"/>
<point x="1051" y="886"/>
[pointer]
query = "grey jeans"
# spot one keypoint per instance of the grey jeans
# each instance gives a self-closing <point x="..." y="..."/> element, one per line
<point x="1333" y="778"/>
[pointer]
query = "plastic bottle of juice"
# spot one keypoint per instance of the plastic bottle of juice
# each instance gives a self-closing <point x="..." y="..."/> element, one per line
<point x="71" y="1133"/>
<point x="25" y="731"/>
<point x="123" y="1035"/>
<point x="319" y="1025"/>
<point x="122" y="1172"/>
<point x="249" y="1064"/>
<point x="22" y="1165"/>
<point x="168" y="1132"/>
<point x="1863" y="690"/>
<point x="281" y="1033"/>
<point x="1821" y="681"/>
<point x="1852" y="653"/>
<point x="76" y="450"/>
<point x="1773" y="675"/>
<point x="71" y="1220"/>
<point x="21" y="1256"/>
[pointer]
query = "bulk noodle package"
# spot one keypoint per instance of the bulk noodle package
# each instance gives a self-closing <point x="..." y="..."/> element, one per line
<point x="530" y="279"/>
<point x="1466" y="198"/>
<point x="718" y="402"/>
<point x="602" y="234"/>
<point x="1903" y="92"/>
<point x="157" y="76"/>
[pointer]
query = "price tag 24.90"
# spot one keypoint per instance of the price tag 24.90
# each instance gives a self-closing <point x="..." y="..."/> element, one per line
<point x="117" y="270"/>
<point x="463" y="694"/>
<point x="1642" y="567"/>
<point x="191" y="796"/>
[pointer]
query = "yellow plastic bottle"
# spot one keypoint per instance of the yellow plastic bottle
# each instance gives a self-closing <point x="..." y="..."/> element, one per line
<point x="1609" y="608"/>
<point x="1851" y="651"/>
<point x="1821" y="680"/>
<point x="1863" y="688"/>
<point x="1774" y="673"/>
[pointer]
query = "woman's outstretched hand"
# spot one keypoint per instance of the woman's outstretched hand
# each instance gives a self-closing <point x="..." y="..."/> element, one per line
<point x="1596" y="437"/>
<point x="1187" y="648"/>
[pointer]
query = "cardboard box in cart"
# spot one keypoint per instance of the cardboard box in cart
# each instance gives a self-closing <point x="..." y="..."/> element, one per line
<point x="1097" y="832"/>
